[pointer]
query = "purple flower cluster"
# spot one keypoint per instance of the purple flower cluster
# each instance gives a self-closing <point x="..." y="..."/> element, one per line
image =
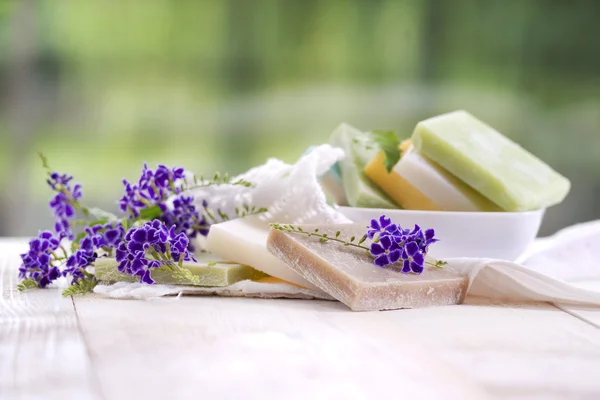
<point x="105" y="236"/>
<point x="392" y="244"/>
<point x="153" y="239"/>
<point x="153" y="188"/>
<point x="64" y="202"/>
<point x="81" y="259"/>
<point x="37" y="263"/>
<point x="100" y="236"/>
<point x="185" y="217"/>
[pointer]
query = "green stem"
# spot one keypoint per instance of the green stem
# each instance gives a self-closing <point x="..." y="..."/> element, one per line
<point x="321" y="236"/>
<point x="437" y="264"/>
<point x="64" y="252"/>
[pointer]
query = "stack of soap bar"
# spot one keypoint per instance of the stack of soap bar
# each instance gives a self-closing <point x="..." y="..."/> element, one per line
<point x="360" y="191"/>
<point x="399" y="189"/>
<point x="244" y="240"/>
<point x="490" y="163"/>
<point x="218" y="275"/>
<point x="349" y="275"/>
<point x="417" y="183"/>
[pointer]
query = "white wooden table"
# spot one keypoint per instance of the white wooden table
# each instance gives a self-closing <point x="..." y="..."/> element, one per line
<point x="206" y="347"/>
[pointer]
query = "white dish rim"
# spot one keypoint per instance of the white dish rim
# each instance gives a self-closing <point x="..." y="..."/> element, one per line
<point x="493" y="214"/>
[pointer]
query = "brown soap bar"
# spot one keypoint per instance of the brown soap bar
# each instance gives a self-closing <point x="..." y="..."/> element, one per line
<point x="349" y="275"/>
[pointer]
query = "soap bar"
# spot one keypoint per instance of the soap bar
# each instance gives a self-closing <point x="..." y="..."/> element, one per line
<point x="360" y="191"/>
<point x="349" y="275"/>
<point x="218" y="275"/>
<point x="399" y="189"/>
<point x="244" y="240"/>
<point x="417" y="183"/>
<point x="489" y="162"/>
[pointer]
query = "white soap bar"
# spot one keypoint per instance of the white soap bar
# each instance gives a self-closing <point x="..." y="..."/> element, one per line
<point x="244" y="241"/>
<point x="438" y="185"/>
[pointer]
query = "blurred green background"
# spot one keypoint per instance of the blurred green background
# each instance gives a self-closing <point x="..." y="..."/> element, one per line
<point x="100" y="86"/>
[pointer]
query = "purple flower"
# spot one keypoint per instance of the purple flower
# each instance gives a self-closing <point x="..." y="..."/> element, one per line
<point x="413" y="258"/>
<point x="37" y="262"/>
<point x="81" y="259"/>
<point x="386" y="251"/>
<point x="381" y="226"/>
<point x="64" y="202"/>
<point x="392" y="244"/>
<point x="106" y="236"/>
<point x="185" y="217"/>
<point x="153" y="239"/>
<point x="153" y="188"/>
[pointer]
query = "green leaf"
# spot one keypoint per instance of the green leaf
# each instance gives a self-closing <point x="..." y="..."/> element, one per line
<point x="150" y="213"/>
<point x="44" y="160"/>
<point x="82" y="286"/>
<point x="388" y="142"/>
<point x="27" y="284"/>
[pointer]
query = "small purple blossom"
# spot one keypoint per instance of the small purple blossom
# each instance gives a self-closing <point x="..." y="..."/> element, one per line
<point x="37" y="262"/>
<point x="81" y="259"/>
<point x="386" y="251"/>
<point x="153" y="239"/>
<point x="391" y="244"/>
<point x="380" y="226"/>
<point x="152" y="188"/>
<point x="64" y="202"/>
<point x="185" y="217"/>
<point x="106" y="236"/>
<point x="413" y="257"/>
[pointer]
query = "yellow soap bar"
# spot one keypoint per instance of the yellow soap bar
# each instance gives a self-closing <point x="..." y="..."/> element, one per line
<point x="399" y="189"/>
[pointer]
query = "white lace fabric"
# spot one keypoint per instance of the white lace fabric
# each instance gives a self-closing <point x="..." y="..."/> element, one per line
<point x="549" y="271"/>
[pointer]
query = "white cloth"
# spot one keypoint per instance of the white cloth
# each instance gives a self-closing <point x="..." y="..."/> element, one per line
<point x="549" y="271"/>
<point x="140" y="291"/>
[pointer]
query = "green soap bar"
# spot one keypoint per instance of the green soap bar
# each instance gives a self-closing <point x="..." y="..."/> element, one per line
<point x="360" y="190"/>
<point x="219" y="275"/>
<point x="489" y="162"/>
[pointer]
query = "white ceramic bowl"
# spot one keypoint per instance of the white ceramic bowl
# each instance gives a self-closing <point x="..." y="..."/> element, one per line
<point x="501" y="235"/>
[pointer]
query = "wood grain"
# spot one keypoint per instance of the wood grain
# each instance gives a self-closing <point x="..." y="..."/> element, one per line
<point x="230" y="348"/>
<point x="590" y="315"/>
<point x="42" y="353"/>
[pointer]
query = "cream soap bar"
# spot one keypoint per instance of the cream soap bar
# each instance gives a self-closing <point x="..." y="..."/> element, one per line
<point x="447" y="191"/>
<point x="399" y="189"/>
<point x="360" y="191"/>
<point x="244" y="240"/>
<point x="490" y="163"/>
<point x="349" y="275"/>
<point x="218" y="275"/>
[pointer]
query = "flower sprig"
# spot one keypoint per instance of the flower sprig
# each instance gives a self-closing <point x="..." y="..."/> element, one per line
<point x="148" y="199"/>
<point x="323" y="237"/>
<point x="153" y="245"/>
<point x="217" y="179"/>
<point x="157" y="207"/>
<point x="388" y="243"/>
<point x="65" y="202"/>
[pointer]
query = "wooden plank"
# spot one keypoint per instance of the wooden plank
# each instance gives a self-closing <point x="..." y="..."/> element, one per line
<point x="514" y="350"/>
<point x="256" y="348"/>
<point x="229" y="348"/>
<point x="287" y="348"/>
<point x="42" y="354"/>
<point x="588" y="314"/>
